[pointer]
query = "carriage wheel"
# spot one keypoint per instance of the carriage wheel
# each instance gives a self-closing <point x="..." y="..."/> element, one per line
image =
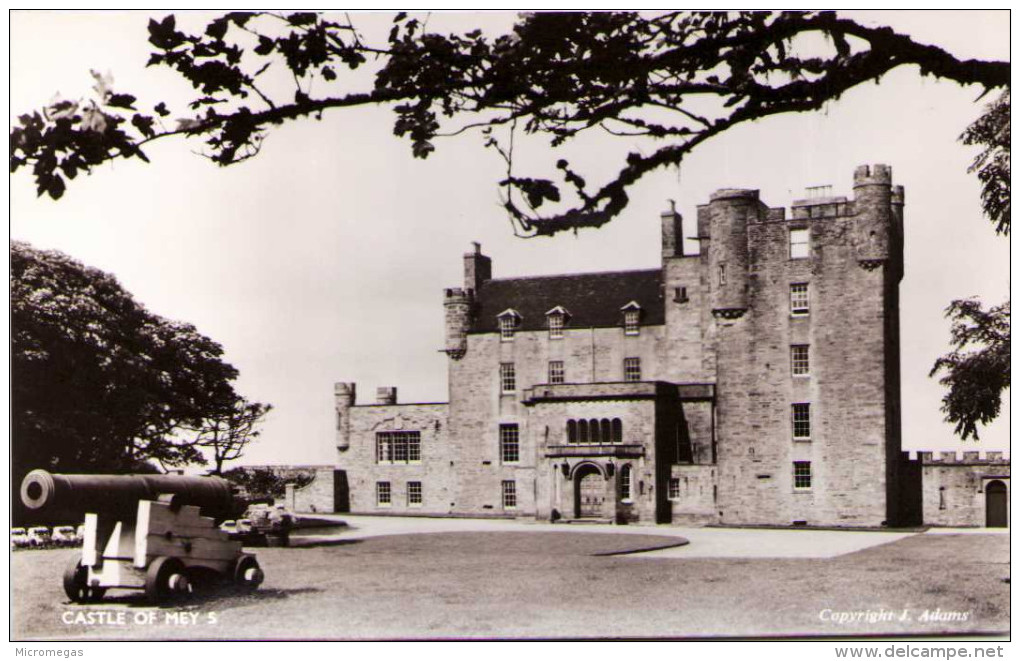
<point x="76" y="584"/>
<point x="247" y="573"/>
<point x="166" y="579"/>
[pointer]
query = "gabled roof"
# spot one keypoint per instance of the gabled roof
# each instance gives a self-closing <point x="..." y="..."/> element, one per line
<point x="594" y="299"/>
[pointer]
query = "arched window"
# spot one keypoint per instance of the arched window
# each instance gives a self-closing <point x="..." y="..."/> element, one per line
<point x="593" y="429"/>
<point x="571" y="431"/>
<point x="617" y="431"/>
<point x="582" y="431"/>
<point x="625" y="483"/>
<point x="607" y="431"/>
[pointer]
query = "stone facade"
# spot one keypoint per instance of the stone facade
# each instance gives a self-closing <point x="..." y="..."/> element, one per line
<point x="967" y="491"/>
<point x="753" y="381"/>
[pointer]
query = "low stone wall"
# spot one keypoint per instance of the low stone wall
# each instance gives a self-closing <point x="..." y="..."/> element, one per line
<point x="955" y="488"/>
<point x="323" y="495"/>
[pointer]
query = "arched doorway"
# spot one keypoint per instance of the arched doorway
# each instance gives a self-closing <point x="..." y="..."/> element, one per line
<point x="589" y="493"/>
<point x="996" y="502"/>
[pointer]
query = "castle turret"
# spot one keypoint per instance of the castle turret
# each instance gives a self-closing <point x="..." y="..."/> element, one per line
<point x="873" y="207"/>
<point x="457" y="303"/>
<point x="344" y="396"/>
<point x="729" y="212"/>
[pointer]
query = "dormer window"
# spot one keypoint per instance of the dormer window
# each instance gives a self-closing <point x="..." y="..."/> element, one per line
<point x="509" y="320"/>
<point x="631" y="318"/>
<point x="557" y="319"/>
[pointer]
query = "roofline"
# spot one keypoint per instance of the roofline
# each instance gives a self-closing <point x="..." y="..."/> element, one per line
<point x="572" y="275"/>
<point x="582" y="327"/>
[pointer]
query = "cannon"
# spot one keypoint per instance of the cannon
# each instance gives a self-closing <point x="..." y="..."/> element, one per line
<point x="154" y="533"/>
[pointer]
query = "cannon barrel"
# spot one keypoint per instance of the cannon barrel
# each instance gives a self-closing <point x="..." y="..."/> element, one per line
<point x="53" y="497"/>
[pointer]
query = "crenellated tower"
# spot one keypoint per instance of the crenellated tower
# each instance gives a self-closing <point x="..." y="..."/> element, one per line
<point x="344" y="397"/>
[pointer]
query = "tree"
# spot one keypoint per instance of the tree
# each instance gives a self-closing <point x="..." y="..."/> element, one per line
<point x="976" y="372"/>
<point x="98" y="382"/>
<point x="227" y="433"/>
<point x="672" y="81"/>
<point x="676" y="79"/>
<point x="262" y="483"/>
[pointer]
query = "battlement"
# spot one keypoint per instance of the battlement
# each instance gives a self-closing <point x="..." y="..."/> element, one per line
<point x="872" y="175"/>
<point x="950" y="457"/>
<point x="735" y="194"/>
<point x="458" y="294"/>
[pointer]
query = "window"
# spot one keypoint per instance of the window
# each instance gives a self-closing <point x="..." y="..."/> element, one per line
<point x="802" y="475"/>
<point x="802" y="421"/>
<point x="382" y="494"/>
<point x="625" y="483"/>
<point x="509" y="444"/>
<point x="631" y="369"/>
<point x="397" y="447"/>
<point x="556" y="371"/>
<point x="800" y="365"/>
<point x="602" y="431"/>
<point x="800" y="243"/>
<point x="680" y="294"/>
<point x="414" y="494"/>
<point x="630" y="322"/>
<point x="555" y="326"/>
<point x="722" y="274"/>
<point x="507" y="326"/>
<point x="799" y="298"/>
<point x="509" y="495"/>
<point x="557" y="320"/>
<point x="507" y="377"/>
<point x="674" y="488"/>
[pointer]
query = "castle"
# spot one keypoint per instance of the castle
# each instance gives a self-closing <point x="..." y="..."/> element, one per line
<point x="754" y="380"/>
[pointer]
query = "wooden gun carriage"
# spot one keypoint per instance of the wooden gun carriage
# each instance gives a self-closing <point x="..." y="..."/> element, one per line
<point x="155" y="533"/>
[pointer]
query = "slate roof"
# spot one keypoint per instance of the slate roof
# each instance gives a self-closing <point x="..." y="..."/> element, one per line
<point x="592" y="299"/>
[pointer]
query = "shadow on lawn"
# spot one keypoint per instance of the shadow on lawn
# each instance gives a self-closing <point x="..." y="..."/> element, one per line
<point x="222" y="598"/>
<point x="320" y="543"/>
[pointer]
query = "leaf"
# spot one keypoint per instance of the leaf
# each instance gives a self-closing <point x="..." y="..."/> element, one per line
<point x="161" y="109"/>
<point x="57" y="187"/>
<point x="328" y="73"/>
<point x="302" y="18"/>
<point x="265" y="46"/>
<point x="217" y="29"/>
<point x="121" y="101"/>
<point x="240" y="18"/>
<point x="144" y="124"/>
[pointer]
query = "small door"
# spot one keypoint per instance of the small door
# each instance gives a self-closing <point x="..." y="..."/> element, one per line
<point x="591" y="493"/>
<point x="996" y="500"/>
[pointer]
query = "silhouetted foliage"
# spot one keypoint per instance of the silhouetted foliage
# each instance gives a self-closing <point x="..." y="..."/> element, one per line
<point x="98" y="382"/>
<point x="226" y="434"/>
<point x="264" y="483"/>
<point x="977" y="370"/>
<point x="676" y="79"/>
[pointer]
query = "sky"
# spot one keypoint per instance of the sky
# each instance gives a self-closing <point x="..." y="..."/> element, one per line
<point x="324" y="258"/>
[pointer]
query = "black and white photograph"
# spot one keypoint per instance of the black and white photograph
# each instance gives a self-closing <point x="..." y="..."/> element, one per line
<point x="510" y="326"/>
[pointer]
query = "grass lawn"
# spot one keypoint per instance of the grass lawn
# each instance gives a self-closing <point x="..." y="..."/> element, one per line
<point x="549" y="584"/>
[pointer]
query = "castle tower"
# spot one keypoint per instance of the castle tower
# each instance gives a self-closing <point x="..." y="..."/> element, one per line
<point x="729" y="213"/>
<point x="344" y="396"/>
<point x="873" y="205"/>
